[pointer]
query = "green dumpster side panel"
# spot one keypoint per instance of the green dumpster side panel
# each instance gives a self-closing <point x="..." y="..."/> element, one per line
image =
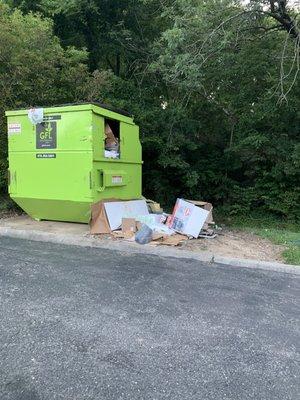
<point x="58" y="169"/>
<point x="43" y="209"/>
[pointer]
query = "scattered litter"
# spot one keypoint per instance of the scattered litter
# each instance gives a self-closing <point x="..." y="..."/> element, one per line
<point x="174" y="240"/>
<point x="156" y="222"/>
<point x="118" y="234"/>
<point x="128" y="236"/>
<point x="157" y="236"/>
<point x="187" y="218"/>
<point x="207" y="236"/>
<point x="151" y="219"/>
<point x="129" y="226"/>
<point x="144" y="235"/>
<point x="154" y="207"/>
<point x="161" y="228"/>
<point x="131" y="221"/>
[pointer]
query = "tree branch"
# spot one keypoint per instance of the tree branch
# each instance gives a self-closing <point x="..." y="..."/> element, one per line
<point x="280" y="14"/>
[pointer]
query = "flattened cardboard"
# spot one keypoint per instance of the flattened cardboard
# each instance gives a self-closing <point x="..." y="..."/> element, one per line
<point x="99" y="223"/>
<point x="110" y="137"/>
<point x="117" y="210"/>
<point x="173" y="240"/>
<point x="128" y="225"/>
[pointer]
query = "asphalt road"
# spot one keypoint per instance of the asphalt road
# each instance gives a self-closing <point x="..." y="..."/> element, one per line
<point x="78" y="323"/>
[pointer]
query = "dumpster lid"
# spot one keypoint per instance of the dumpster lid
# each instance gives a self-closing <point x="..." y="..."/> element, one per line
<point x="97" y="103"/>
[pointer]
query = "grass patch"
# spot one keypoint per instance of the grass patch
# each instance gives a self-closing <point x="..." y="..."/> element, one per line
<point x="284" y="237"/>
<point x="278" y="231"/>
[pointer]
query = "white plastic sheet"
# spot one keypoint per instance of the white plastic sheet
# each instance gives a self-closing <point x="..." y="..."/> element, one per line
<point x="111" y="154"/>
<point x="156" y="223"/>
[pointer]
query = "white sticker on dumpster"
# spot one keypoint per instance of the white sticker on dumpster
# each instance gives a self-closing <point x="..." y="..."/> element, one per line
<point x="117" y="179"/>
<point x="14" y="128"/>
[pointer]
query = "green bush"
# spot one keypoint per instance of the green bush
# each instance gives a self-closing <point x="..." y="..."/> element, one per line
<point x="36" y="70"/>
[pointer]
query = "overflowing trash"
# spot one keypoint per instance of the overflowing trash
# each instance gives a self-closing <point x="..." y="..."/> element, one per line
<point x="111" y="154"/>
<point x="144" y="222"/>
<point x="112" y="147"/>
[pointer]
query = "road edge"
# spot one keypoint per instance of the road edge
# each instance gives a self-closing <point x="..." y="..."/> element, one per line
<point x="128" y="247"/>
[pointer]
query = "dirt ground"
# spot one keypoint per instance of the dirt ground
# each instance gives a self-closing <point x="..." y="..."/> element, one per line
<point x="9" y="214"/>
<point x="237" y="244"/>
<point x="228" y="243"/>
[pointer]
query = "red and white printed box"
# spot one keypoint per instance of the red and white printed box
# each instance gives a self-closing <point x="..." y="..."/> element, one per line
<point x="187" y="218"/>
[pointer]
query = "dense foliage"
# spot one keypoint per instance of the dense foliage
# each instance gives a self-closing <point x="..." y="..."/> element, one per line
<point x="213" y="85"/>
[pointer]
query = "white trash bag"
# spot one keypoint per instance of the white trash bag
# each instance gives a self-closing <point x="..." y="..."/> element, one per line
<point x="36" y="115"/>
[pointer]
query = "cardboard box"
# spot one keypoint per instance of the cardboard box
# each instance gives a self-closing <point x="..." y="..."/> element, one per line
<point x="128" y="226"/>
<point x="187" y="218"/>
<point x="110" y="137"/>
<point x="208" y="207"/>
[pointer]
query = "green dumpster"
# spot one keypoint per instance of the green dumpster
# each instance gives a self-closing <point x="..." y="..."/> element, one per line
<point x="75" y="156"/>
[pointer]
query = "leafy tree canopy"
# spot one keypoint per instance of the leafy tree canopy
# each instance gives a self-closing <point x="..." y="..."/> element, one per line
<point x="214" y="86"/>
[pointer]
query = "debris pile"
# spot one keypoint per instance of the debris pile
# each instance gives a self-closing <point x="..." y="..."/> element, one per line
<point x="144" y="221"/>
